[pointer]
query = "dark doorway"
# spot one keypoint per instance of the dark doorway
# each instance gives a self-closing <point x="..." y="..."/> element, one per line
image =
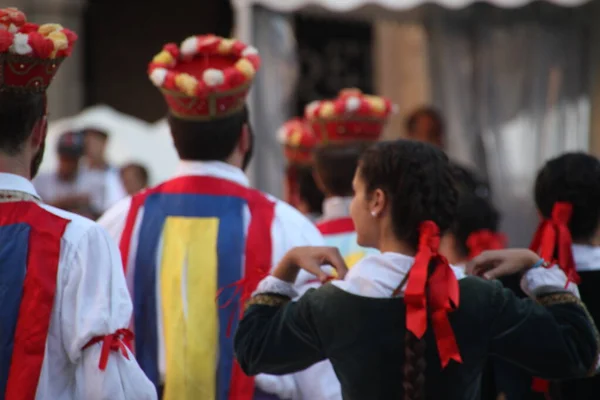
<point x="121" y="37"/>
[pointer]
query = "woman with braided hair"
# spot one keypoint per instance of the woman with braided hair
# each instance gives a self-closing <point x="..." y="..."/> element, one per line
<point x="567" y="196"/>
<point x="400" y="325"/>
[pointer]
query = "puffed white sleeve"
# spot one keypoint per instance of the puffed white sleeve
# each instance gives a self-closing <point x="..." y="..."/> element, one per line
<point x="96" y="310"/>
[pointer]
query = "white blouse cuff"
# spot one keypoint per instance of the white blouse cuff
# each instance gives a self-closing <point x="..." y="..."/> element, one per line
<point x="283" y="386"/>
<point x="539" y="277"/>
<point x="275" y="285"/>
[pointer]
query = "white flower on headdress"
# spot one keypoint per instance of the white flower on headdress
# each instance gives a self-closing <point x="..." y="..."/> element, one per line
<point x="189" y="46"/>
<point x="250" y="50"/>
<point x="311" y="107"/>
<point x="352" y="104"/>
<point x="12" y="28"/>
<point x="20" y="44"/>
<point x="213" y="77"/>
<point x="158" y="76"/>
<point x="282" y="135"/>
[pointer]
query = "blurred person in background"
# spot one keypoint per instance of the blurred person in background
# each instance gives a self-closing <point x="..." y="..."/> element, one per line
<point x="300" y="188"/>
<point x="134" y="177"/>
<point x="103" y="178"/>
<point x="64" y="188"/>
<point x="426" y="125"/>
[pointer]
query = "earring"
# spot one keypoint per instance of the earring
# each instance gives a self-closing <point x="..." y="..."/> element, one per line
<point x="373" y="214"/>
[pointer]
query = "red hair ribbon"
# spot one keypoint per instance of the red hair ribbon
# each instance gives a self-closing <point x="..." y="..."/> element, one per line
<point x="553" y="237"/>
<point x="443" y="294"/>
<point x="484" y="239"/>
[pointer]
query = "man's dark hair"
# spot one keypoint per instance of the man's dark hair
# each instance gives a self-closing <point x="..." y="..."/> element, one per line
<point x="212" y="140"/>
<point x="438" y="129"/>
<point x="335" y="166"/>
<point x="19" y="113"/>
<point x="140" y="170"/>
<point x="308" y="190"/>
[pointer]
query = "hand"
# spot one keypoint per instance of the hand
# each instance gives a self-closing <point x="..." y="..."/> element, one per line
<point x="494" y="264"/>
<point x="310" y="259"/>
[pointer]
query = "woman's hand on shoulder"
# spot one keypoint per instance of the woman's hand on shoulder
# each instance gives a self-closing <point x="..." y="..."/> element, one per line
<point x="311" y="259"/>
<point x="494" y="264"/>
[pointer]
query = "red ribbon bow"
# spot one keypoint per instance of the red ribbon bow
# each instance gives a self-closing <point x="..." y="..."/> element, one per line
<point x="553" y="237"/>
<point x="118" y="341"/>
<point x="484" y="239"/>
<point x="443" y="294"/>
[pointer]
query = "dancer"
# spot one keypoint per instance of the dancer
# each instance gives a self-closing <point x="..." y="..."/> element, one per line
<point x="65" y="307"/>
<point x="400" y="324"/>
<point x="196" y="246"/>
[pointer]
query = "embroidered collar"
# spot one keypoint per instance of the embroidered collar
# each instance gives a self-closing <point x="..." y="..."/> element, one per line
<point x="15" y="186"/>
<point x="217" y="169"/>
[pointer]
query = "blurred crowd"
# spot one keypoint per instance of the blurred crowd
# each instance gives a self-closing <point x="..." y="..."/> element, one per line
<point x="84" y="182"/>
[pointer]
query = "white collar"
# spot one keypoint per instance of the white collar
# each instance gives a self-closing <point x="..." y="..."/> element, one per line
<point x="587" y="258"/>
<point x="217" y="169"/>
<point x="379" y="275"/>
<point x="336" y="207"/>
<point x="17" y="183"/>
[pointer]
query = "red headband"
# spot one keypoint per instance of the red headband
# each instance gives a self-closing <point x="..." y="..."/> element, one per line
<point x="553" y="236"/>
<point x="443" y="294"/>
<point x="484" y="239"/>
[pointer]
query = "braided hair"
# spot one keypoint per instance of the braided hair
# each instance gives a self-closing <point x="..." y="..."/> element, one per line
<point x="573" y="178"/>
<point x="418" y="180"/>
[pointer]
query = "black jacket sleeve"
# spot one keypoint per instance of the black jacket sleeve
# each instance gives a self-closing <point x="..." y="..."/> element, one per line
<point x="277" y="336"/>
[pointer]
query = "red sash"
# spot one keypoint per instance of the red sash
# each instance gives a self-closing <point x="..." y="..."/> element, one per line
<point x="336" y="226"/>
<point x="258" y="252"/>
<point x="35" y="310"/>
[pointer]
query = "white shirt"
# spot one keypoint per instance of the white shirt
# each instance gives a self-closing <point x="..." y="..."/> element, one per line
<point x="91" y="300"/>
<point x="336" y="207"/>
<point x="289" y="229"/>
<point x="104" y="188"/>
<point x="587" y="258"/>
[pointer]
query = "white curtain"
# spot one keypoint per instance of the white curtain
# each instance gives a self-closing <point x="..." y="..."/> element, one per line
<point x="514" y="88"/>
<point x="272" y="95"/>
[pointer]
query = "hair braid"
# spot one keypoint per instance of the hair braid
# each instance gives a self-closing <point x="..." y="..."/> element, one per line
<point x="415" y="364"/>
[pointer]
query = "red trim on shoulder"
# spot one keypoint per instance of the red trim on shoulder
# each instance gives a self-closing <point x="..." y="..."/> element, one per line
<point x="259" y="245"/>
<point x="336" y="226"/>
<point x="39" y="288"/>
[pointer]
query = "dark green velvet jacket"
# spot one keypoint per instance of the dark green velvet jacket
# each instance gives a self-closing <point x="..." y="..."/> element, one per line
<point x="363" y="338"/>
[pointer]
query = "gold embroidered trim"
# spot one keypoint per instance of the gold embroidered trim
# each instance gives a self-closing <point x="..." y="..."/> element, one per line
<point x="267" y="299"/>
<point x="7" y="196"/>
<point x="564" y="298"/>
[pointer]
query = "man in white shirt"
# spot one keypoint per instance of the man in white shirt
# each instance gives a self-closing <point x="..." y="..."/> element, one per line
<point x="196" y="246"/>
<point x="65" y="307"/>
<point x="75" y="188"/>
